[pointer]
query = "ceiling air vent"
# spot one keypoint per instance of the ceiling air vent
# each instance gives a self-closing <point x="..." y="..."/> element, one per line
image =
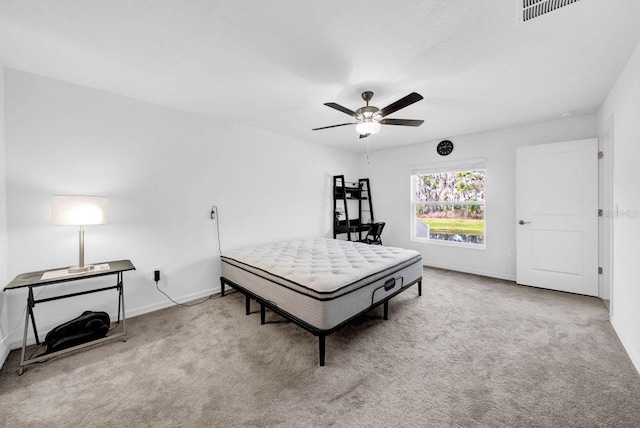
<point x="535" y="8"/>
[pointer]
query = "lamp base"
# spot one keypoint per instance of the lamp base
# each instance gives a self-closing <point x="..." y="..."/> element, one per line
<point x="78" y="269"/>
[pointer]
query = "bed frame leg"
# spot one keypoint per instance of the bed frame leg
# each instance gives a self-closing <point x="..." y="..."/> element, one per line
<point x="420" y="288"/>
<point x="262" y="317"/>
<point x="221" y="287"/>
<point x="321" y="343"/>
<point x="247" y="304"/>
<point x="386" y="309"/>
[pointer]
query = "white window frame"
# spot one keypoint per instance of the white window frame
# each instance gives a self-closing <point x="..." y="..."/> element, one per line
<point x="440" y="167"/>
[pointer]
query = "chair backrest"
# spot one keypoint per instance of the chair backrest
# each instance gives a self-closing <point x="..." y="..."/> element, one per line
<point x="374" y="233"/>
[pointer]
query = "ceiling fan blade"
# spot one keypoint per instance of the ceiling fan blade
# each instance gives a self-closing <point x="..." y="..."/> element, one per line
<point x="402" y="122"/>
<point x="333" y="126"/>
<point x="401" y="103"/>
<point x="341" y="108"/>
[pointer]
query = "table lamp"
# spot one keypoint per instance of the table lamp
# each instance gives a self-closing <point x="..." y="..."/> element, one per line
<point x="79" y="211"/>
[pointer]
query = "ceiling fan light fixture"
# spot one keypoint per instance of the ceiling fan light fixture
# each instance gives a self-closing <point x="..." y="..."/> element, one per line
<point x="367" y="127"/>
<point x="369" y="118"/>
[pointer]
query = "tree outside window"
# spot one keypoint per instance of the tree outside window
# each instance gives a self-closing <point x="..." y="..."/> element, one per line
<point x="449" y="207"/>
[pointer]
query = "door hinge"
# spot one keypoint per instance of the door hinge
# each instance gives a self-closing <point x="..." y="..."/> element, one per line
<point x="600" y="155"/>
<point x="599" y="271"/>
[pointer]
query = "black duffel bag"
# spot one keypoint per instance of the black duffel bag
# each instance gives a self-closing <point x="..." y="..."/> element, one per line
<point x="87" y="327"/>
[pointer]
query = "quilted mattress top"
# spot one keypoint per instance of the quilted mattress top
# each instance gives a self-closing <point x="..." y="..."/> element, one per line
<point x="321" y="264"/>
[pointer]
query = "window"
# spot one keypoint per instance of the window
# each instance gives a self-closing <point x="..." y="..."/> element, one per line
<point x="449" y="206"/>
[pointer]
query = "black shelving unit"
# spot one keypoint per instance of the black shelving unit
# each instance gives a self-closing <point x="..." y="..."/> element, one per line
<point x="352" y="208"/>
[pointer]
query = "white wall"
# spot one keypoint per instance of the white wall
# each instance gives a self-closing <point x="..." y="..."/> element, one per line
<point x="623" y="103"/>
<point x="389" y="172"/>
<point x="4" y="318"/>
<point x="162" y="169"/>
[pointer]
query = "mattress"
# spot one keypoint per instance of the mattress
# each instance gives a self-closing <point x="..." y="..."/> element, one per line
<point x="322" y="282"/>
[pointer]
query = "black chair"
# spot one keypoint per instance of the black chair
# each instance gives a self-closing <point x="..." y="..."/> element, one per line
<point x="373" y="235"/>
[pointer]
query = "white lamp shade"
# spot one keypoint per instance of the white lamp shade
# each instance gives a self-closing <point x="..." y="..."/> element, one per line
<point x="78" y="210"/>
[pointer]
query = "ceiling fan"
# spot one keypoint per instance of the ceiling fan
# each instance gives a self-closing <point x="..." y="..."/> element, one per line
<point x="369" y="118"/>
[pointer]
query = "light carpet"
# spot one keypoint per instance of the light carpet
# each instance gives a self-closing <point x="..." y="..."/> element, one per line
<point x="472" y="351"/>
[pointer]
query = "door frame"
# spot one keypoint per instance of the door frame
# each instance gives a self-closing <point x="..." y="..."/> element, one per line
<point x="606" y="204"/>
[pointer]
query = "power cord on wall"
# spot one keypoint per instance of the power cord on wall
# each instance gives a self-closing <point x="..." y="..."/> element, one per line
<point x="214" y="216"/>
<point x="211" y="297"/>
<point x="183" y="304"/>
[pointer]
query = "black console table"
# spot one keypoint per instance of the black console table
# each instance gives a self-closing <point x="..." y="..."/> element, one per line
<point x="49" y="277"/>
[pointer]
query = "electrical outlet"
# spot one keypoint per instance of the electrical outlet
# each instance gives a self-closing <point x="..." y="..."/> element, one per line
<point x="214" y="212"/>
<point x="156" y="274"/>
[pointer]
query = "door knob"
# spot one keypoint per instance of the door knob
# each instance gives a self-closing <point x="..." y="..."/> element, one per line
<point x="521" y="222"/>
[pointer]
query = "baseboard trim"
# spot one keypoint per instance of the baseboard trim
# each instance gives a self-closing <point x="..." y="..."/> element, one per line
<point x="481" y="272"/>
<point x="163" y="304"/>
<point x="626" y="343"/>
<point x="166" y="303"/>
<point x="4" y="353"/>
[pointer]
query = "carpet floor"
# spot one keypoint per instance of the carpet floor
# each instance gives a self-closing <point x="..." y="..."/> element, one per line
<point x="472" y="351"/>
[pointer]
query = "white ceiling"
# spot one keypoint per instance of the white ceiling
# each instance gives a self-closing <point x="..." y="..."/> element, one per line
<point x="272" y="64"/>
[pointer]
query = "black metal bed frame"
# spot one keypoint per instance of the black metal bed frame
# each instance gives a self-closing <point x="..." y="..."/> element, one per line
<point x="321" y="334"/>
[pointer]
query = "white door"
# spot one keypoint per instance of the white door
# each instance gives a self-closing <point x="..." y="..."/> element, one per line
<point x="557" y="216"/>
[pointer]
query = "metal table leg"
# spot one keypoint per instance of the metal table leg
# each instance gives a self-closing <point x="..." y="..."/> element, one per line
<point x="124" y="317"/>
<point x="28" y="315"/>
<point x="24" y="338"/>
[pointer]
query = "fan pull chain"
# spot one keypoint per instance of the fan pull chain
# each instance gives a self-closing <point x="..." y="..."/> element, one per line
<point x="368" y="150"/>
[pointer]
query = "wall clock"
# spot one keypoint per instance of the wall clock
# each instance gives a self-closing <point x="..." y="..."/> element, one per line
<point x="444" y="147"/>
